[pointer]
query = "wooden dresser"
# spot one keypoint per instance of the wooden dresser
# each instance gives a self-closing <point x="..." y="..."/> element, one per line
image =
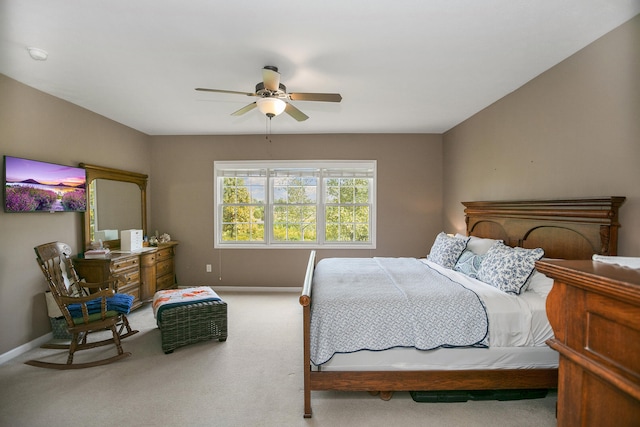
<point x="594" y="309"/>
<point x="144" y="272"/>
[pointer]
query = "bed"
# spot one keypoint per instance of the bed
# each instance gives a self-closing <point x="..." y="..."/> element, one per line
<point x="568" y="229"/>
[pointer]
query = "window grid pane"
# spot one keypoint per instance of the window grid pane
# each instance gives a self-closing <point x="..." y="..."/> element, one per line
<point x="347" y="215"/>
<point x="294" y="208"/>
<point x="242" y="208"/>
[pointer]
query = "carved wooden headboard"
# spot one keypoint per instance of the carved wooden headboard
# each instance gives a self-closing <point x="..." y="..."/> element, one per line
<point x="569" y="229"/>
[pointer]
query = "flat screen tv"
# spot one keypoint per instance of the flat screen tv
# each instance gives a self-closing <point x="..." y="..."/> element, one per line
<point x="33" y="186"/>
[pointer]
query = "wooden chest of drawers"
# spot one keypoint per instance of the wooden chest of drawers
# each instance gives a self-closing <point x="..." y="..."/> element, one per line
<point x="144" y="272"/>
<point x="594" y="309"/>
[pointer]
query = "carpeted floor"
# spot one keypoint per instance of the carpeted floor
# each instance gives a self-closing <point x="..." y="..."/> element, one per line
<point x="252" y="379"/>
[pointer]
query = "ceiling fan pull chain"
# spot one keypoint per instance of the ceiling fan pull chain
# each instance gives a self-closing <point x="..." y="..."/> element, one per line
<point x="267" y="131"/>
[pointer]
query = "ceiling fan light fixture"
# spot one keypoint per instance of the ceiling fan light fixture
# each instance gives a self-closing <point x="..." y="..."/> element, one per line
<point x="271" y="107"/>
<point x="272" y="94"/>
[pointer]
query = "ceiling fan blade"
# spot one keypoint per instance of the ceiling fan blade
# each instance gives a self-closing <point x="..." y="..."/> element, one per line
<point x="271" y="78"/>
<point x="225" y="91"/>
<point x="244" y="109"/>
<point x="295" y="113"/>
<point x="326" y="97"/>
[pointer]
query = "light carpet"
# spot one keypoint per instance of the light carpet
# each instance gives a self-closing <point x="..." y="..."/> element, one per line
<point x="252" y="379"/>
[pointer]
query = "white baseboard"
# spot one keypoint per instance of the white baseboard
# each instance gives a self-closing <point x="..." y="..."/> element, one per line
<point x="252" y="288"/>
<point x="25" y="347"/>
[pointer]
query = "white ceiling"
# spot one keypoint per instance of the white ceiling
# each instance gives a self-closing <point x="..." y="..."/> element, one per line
<point x="408" y="66"/>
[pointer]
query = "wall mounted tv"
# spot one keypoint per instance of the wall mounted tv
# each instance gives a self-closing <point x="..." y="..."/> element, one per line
<point x="33" y="186"/>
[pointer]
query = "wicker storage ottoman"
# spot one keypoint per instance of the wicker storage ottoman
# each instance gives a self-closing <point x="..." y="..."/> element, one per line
<point x="192" y="322"/>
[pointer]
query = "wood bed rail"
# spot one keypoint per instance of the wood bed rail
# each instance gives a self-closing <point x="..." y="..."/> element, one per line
<point x="305" y="301"/>
<point x="305" y="297"/>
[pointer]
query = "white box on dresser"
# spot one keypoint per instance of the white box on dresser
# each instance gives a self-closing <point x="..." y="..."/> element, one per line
<point x="131" y="240"/>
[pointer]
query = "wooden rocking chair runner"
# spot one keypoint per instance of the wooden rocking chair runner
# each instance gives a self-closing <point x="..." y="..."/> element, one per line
<point x="84" y="306"/>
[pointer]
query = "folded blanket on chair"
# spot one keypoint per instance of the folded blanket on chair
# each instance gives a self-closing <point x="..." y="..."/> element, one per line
<point x="120" y="303"/>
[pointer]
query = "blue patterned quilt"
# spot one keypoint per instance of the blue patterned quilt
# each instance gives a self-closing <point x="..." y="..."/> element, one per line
<point x="382" y="303"/>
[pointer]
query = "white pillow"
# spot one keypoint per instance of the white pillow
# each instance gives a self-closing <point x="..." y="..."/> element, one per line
<point x="479" y="245"/>
<point x="540" y="284"/>
<point x="507" y="268"/>
<point x="446" y="250"/>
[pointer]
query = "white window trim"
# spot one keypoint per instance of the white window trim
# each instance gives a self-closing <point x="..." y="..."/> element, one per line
<point x="273" y="164"/>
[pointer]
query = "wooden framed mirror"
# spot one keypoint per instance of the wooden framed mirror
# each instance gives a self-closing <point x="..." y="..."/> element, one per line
<point x="116" y="200"/>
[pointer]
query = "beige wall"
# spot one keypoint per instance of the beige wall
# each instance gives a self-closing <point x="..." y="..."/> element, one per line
<point x="574" y="131"/>
<point x="409" y="194"/>
<point x="41" y="127"/>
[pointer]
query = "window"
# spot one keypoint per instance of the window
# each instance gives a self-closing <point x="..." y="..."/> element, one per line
<point x="295" y="204"/>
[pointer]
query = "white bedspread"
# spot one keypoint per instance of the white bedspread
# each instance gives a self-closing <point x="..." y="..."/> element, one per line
<point x="383" y="303"/>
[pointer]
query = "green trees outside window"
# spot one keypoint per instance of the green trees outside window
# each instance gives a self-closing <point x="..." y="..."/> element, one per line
<point x="243" y="209"/>
<point x="295" y="205"/>
<point x="347" y="210"/>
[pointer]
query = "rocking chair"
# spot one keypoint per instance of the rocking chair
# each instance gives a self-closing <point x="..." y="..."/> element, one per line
<point x="86" y="307"/>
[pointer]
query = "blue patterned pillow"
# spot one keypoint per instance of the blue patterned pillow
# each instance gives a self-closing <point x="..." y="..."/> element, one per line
<point x="469" y="264"/>
<point x="508" y="269"/>
<point x="446" y="250"/>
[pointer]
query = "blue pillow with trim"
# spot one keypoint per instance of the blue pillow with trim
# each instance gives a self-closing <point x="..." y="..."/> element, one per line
<point x="469" y="263"/>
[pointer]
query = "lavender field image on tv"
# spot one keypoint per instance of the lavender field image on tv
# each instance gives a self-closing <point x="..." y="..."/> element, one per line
<point x="33" y="186"/>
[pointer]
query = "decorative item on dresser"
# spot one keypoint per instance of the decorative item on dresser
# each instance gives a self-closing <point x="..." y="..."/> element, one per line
<point x="594" y="309"/>
<point x="144" y="272"/>
<point x="567" y="228"/>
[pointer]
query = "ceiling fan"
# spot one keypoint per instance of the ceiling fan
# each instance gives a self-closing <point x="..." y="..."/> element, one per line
<point x="272" y="96"/>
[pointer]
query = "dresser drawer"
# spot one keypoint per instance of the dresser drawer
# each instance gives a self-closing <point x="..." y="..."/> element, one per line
<point x="128" y="278"/>
<point x="128" y="287"/>
<point x="164" y="267"/>
<point x="164" y="282"/>
<point x="164" y="253"/>
<point x="120" y="264"/>
<point x="131" y="277"/>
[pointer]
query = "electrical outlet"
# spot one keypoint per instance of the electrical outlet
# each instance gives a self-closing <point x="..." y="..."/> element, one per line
<point x="208" y="268"/>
